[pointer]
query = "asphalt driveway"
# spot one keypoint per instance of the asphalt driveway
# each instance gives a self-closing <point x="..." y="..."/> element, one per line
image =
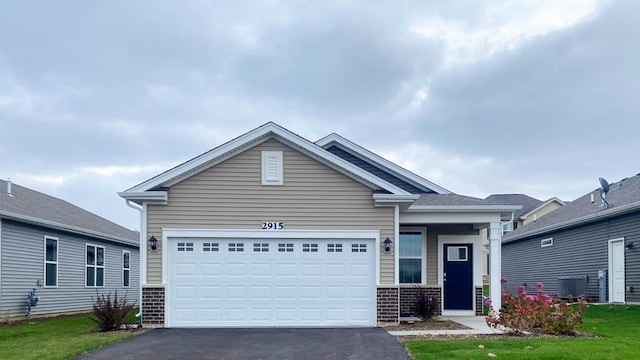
<point x="269" y="343"/>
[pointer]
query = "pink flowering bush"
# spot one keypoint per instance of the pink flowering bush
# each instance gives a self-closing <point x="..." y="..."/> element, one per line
<point x="537" y="313"/>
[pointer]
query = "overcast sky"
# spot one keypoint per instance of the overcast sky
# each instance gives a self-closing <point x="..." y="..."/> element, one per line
<point x="480" y="97"/>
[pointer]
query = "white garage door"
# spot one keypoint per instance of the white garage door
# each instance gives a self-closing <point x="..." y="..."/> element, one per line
<point x="270" y="282"/>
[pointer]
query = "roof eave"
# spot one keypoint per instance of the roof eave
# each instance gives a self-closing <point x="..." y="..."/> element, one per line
<point x="65" y="227"/>
<point x="577" y="221"/>
<point x="154" y="197"/>
<point x="386" y="199"/>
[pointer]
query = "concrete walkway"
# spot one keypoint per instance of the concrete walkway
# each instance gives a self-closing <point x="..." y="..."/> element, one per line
<point x="477" y="325"/>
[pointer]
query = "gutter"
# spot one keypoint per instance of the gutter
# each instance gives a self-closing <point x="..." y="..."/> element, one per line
<point x="577" y="221"/>
<point x="465" y="208"/>
<point x="140" y="256"/>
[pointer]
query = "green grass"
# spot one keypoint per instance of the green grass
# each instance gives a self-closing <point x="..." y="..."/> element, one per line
<point x="57" y="338"/>
<point x="618" y="328"/>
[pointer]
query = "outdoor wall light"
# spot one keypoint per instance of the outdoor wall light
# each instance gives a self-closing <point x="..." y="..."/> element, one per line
<point x="387" y="245"/>
<point x="153" y="242"/>
<point x="629" y="245"/>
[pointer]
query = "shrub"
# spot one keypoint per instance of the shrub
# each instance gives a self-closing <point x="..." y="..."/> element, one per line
<point x="110" y="314"/>
<point x="536" y="313"/>
<point x="424" y="305"/>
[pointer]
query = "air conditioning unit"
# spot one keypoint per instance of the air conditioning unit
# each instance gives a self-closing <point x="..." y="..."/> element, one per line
<point x="572" y="285"/>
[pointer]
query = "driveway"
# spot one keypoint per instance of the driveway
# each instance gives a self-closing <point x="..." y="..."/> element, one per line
<point x="269" y="343"/>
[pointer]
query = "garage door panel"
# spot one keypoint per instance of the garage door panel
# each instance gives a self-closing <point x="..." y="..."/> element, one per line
<point x="261" y="270"/>
<point x="236" y="269"/>
<point x="285" y="292"/>
<point x="311" y="270"/>
<point x="208" y="269"/>
<point x="211" y="315"/>
<point x="271" y="283"/>
<point x="236" y="292"/>
<point x="236" y="314"/>
<point x="310" y="292"/>
<point x="286" y="269"/>
<point x="211" y="292"/>
<point x="261" y="292"/>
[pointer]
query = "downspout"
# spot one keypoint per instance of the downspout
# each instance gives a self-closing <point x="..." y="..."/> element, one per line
<point x="142" y="248"/>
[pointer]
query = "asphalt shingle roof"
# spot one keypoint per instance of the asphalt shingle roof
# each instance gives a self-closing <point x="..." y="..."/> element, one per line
<point x="528" y="203"/>
<point x="34" y="204"/>
<point x="453" y="200"/>
<point x="622" y="193"/>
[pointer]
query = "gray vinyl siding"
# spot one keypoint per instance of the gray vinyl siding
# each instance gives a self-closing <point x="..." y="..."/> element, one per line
<point x="578" y="251"/>
<point x="229" y="195"/>
<point x="365" y="165"/>
<point x="23" y="263"/>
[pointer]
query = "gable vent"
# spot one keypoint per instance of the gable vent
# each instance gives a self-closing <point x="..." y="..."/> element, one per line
<point x="272" y="168"/>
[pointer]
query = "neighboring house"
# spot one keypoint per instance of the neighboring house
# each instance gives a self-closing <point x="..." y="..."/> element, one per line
<point x="270" y="229"/>
<point x="64" y="252"/>
<point x="531" y="210"/>
<point x="583" y="248"/>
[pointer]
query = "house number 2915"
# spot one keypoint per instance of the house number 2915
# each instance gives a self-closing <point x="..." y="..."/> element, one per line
<point x="273" y="225"/>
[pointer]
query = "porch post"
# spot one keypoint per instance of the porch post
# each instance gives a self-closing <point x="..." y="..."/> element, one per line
<point x="495" y="266"/>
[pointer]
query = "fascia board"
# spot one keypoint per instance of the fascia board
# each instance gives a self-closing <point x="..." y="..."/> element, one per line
<point x="463" y="208"/>
<point x="251" y="137"/>
<point x="384" y="163"/>
<point x="577" y="221"/>
<point x="65" y="227"/>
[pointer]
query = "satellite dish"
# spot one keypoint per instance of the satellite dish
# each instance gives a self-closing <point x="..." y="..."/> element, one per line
<point x="604" y="189"/>
<point x="605" y="185"/>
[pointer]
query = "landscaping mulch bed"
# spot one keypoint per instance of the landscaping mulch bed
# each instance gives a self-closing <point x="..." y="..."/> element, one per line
<point x="430" y="324"/>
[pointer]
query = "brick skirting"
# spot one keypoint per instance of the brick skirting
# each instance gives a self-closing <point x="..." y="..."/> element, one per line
<point x="388" y="305"/>
<point x="408" y="298"/>
<point x="153" y="305"/>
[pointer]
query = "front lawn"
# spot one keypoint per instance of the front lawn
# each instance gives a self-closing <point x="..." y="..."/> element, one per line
<point x="57" y="338"/>
<point x="618" y="328"/>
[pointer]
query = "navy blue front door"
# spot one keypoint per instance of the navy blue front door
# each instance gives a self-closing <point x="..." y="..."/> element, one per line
<point x="458" y="277"/>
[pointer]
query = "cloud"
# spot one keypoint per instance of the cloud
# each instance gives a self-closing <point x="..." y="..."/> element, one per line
<point x="479" y="97"/>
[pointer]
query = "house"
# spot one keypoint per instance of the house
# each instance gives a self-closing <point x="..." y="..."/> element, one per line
<point x="583" y="248"/>
<point x="271" y="229"/>
<point x="63" y="252"/>
<point x="531" y="210"/>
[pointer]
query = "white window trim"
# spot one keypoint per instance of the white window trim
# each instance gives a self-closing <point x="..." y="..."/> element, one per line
<point x="546" y="242"/>
<point x="51" y="262"/>
<point x="423" y="257"/>
<point x="96" y="266"/>
<point x="125" y="269"/>
<point x="279" y="180"/>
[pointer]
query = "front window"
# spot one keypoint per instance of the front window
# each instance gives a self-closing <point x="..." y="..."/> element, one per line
<point x="411" y="257"/>
<point x="95" y="266"/>
<point x="50" y="261"/>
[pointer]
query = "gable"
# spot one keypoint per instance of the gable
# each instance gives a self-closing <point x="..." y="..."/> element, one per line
<point x="152" y="190"/>
<point x="242" y="175"/>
